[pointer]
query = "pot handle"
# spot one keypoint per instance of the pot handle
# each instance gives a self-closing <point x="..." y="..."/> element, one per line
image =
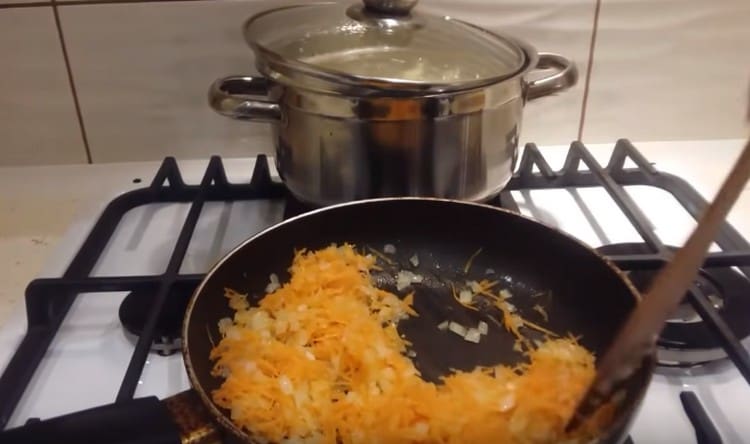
<point x="234" y="97"/>
<point x="566" y="76"/>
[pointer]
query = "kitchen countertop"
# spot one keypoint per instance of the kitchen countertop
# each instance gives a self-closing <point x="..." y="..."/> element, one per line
<point x="40" y="203"/>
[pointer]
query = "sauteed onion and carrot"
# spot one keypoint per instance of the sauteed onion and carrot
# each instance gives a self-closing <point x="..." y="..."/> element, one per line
<point x="320" y="360"/>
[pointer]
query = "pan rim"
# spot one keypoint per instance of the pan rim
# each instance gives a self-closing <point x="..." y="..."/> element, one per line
<point x="229" y="425"/>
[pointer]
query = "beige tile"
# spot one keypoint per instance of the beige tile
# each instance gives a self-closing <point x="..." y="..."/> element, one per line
<point x="142" y="80"/>
<point x="38" y="123"/>
<point x="667" y="70"/>
<point x="142" y="71"/>
<point x="562" y="26"/>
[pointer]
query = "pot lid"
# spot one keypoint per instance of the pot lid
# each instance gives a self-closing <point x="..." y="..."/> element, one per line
<point x="382" y="44"/>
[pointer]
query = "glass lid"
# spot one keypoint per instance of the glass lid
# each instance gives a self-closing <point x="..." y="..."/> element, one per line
<point x="385" y="43"/>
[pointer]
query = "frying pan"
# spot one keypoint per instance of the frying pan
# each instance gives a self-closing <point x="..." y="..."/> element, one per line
<point x="582" y="293"/>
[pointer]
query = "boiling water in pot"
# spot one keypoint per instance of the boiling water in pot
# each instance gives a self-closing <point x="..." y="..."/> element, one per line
<point x="426" y="66"/>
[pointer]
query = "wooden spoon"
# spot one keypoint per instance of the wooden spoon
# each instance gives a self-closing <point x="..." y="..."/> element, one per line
<point x="637" y="338"/>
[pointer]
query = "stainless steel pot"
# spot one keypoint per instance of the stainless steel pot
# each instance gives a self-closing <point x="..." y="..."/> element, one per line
<point x="350" y="122"/>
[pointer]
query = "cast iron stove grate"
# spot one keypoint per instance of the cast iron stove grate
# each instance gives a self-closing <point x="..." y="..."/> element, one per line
<point x="48" y="300"/>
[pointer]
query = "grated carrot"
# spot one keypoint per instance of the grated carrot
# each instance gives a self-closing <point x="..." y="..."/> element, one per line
<point x="409" y="304"/>
<point x="539" y="328"/>
<point x="487" y="285"/>
<point x="511" y="322"/>
<point x="539" y="309"/>
<point x="467" y="267"/>
<point x="320" y="360"/>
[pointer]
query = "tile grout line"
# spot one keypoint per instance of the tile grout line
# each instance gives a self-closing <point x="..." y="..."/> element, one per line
<point x="89" y="2"/>
<point x="123" y="2"/>
<point x="589" y="69"/>
<point x="71" y="81"/>
<point x="24" y="5"/>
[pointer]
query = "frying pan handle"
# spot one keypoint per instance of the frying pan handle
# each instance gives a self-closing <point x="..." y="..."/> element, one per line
<point x="142" y="420"/>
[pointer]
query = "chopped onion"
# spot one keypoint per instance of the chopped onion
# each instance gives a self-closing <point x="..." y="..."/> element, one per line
<point x="402" y="281"/>
<point x="483" y="327"/>
<point x="411" y="354"/>
<point x="273" y="284"/>
<point x="489" y="271"/>
<point x="224" y="325"/>
<point x="516" y="320"/>
<point x="510" y="307"/>
<point x="388" y="374"/>
<point x="285" y="384"/>
<point x="259" y="320"/>
<point x="405" y="278"/>
<point x="507" y="402"/>
<point x="389" y="249"/>
<point x="457" y="328"/>
<point x="473" y="335"/>
<point x="505" y="294"/>
<point x="465" y="296"/>
<point x="249" y="366"/>
<point x="232" y="333"/>
<point x="414" y="260"/>
<point x="475" y="287"/>
<point x="421" y="428"/>
<point x="443" y="326"/>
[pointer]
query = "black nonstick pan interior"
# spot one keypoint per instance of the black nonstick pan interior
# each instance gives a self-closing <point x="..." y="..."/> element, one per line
<point x="581" y="293"/>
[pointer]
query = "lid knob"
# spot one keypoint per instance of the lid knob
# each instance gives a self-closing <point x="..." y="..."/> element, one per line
<point x="390" y="7"/>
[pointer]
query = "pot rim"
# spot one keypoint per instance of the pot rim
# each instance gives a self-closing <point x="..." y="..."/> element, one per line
<point x="299" y="74"/>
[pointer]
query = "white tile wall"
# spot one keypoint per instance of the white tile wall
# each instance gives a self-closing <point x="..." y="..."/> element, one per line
<point x="38" y="123"/>
<point x="670" y="70"/>
<point x="562" y="26"/>
<point x="142" y="71"/>
<point x="662" y="69"/>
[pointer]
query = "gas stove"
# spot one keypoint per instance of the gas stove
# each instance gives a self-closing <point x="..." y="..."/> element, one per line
<point x="105" y="326"/>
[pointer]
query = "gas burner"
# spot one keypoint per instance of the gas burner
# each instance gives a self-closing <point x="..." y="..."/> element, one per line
<point x="167" y="337"/>
<point x="686" y="340"/>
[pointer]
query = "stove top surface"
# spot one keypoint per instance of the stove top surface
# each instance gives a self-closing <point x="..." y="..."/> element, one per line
<point x="89" y="356"/>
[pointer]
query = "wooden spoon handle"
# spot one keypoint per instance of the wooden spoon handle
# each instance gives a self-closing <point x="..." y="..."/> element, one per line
<point x="673" y="281"/>
<point x="638" y="335"/>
